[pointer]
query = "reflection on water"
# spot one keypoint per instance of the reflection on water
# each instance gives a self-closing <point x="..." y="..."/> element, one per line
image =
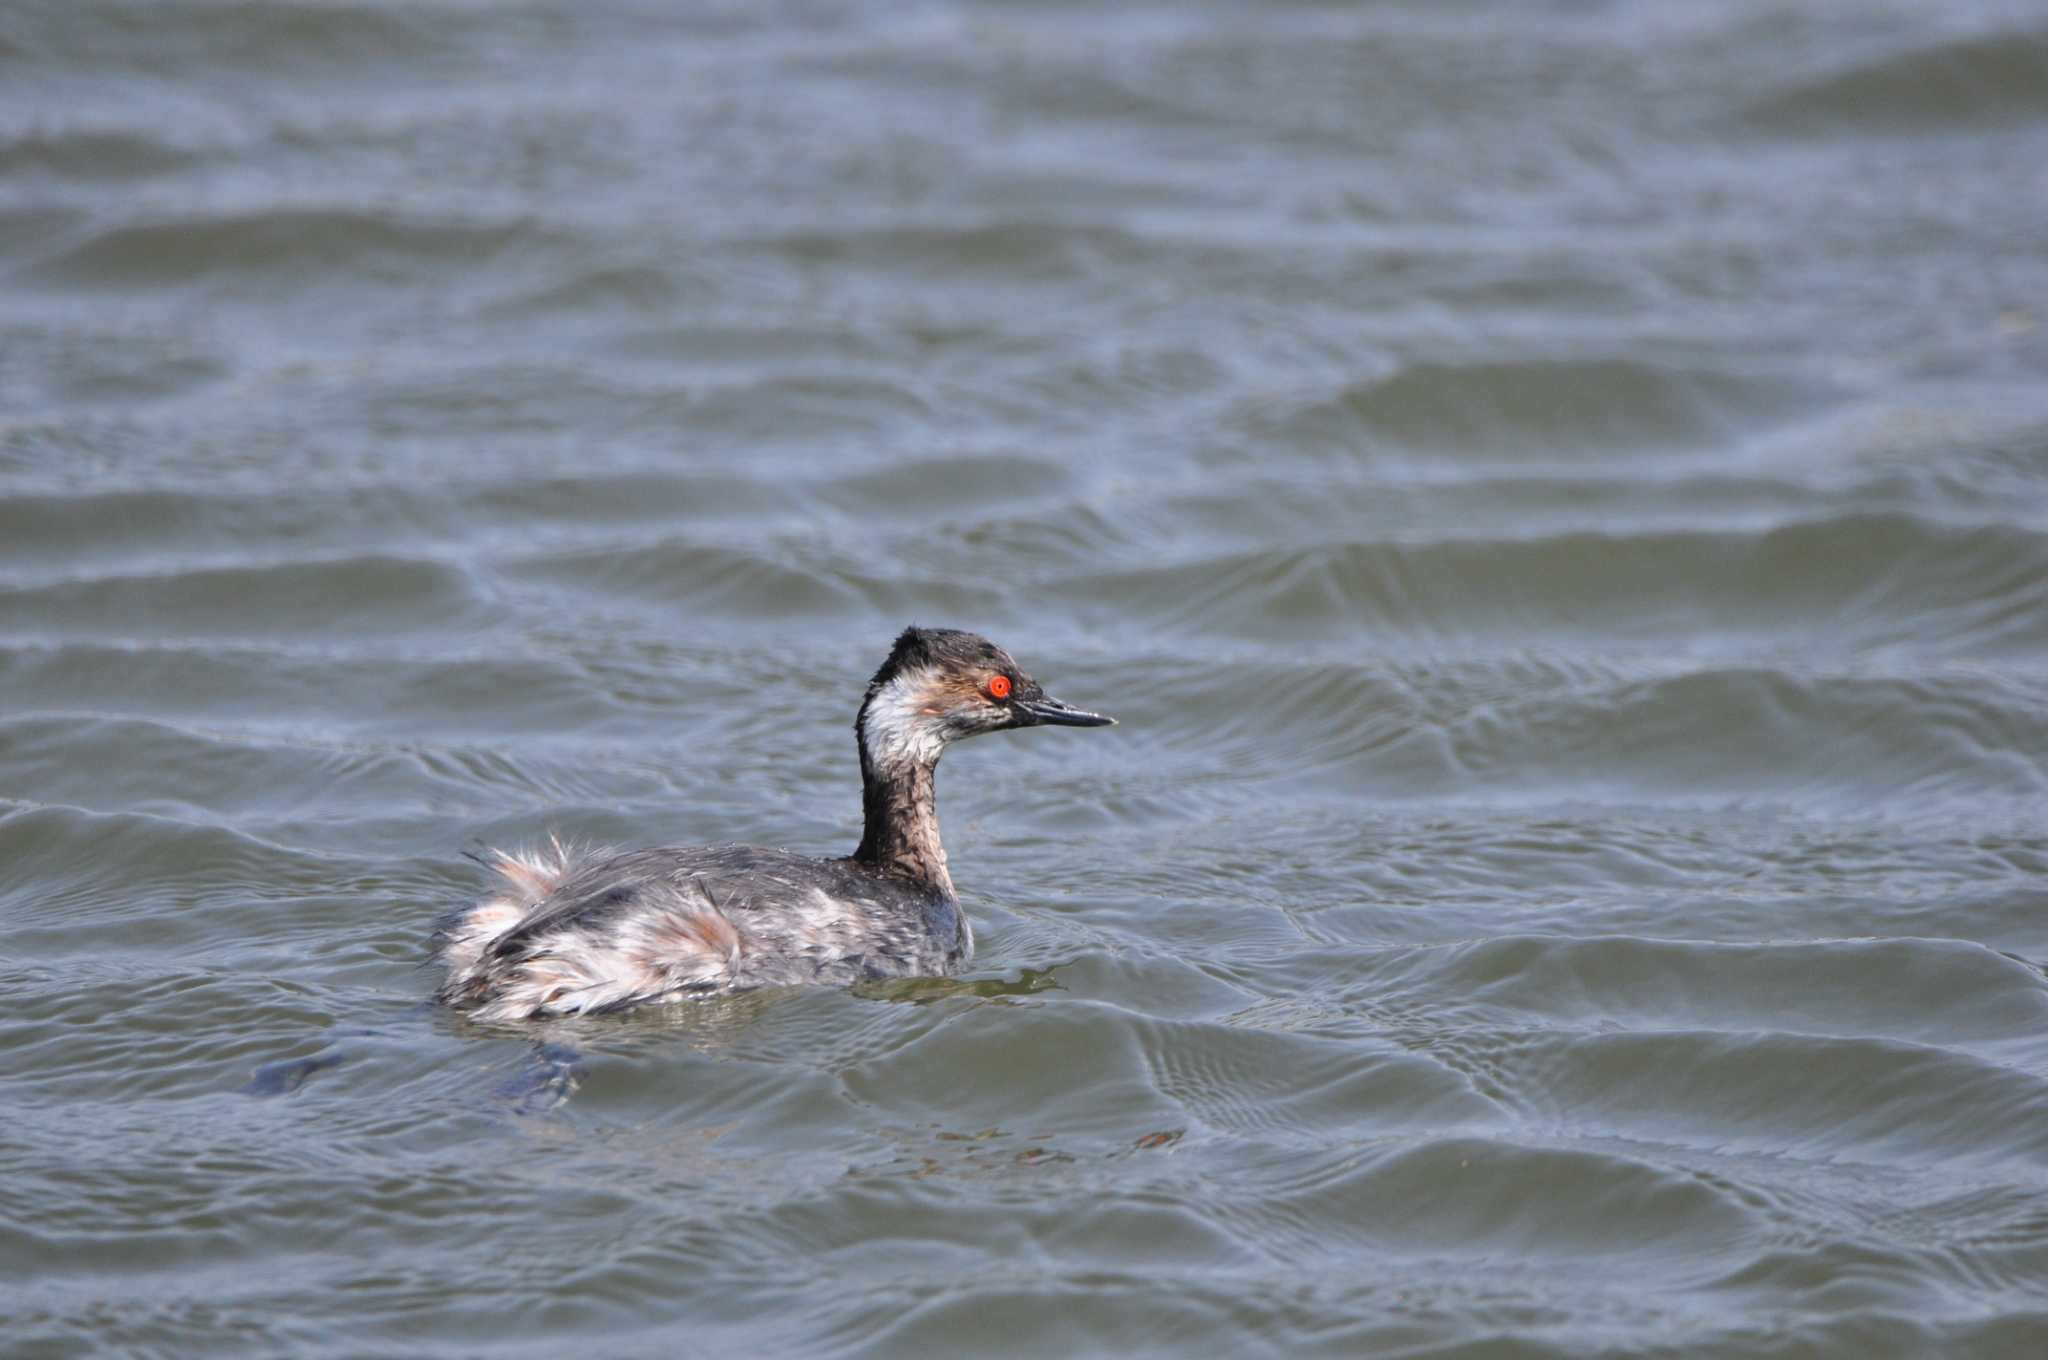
<point x="1557" y="495"/>
<point x="924" y="991"/>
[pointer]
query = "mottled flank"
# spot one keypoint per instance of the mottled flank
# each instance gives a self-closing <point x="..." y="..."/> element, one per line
<point x="570" y="934"/>
<point x="612" y="931"/>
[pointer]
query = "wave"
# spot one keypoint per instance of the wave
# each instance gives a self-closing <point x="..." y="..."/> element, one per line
<point x="299" y="246"/>
<point x="381" y="593"/>
<point x="1994" y="80"/>
<point x="1845" y="582"/>
<point x="1641" y="733"/>
<point x="88" y="154"/>
<point x="144" y="37"/>
<point x="1582" y="407"/>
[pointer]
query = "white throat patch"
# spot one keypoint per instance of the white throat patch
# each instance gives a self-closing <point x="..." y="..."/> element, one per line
<point x="897" y="728"/>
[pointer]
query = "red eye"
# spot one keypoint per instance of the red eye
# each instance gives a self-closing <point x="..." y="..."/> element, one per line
<point x="999" y="687"/>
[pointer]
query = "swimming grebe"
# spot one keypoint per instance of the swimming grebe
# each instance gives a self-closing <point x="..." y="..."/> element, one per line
<point x="588" y="935"/>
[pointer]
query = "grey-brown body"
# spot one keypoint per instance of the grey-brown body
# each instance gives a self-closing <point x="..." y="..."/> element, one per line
<point x="592" y="933"/>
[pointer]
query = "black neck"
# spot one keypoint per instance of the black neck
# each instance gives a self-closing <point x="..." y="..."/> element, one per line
<point x="899" y="802"/>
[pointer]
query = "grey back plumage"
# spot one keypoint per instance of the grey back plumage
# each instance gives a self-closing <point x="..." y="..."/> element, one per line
<point x="774" y="896"/>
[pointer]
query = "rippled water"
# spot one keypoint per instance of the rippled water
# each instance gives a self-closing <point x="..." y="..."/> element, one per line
<point x="1557" y="494"/>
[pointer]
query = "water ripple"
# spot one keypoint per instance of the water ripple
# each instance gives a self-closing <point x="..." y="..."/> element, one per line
<point x="1558" y="499"/>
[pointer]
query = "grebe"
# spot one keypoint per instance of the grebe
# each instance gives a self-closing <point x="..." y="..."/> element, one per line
<point x="571" y="934"/>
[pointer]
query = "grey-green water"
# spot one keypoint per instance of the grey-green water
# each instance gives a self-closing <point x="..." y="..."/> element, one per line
<point x="1556" y="493"/>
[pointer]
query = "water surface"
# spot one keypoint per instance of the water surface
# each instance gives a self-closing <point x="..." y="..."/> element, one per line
<point x="1557" y="495"/>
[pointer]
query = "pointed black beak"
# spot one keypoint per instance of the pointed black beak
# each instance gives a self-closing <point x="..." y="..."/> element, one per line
<point x="1051" y="712"/>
